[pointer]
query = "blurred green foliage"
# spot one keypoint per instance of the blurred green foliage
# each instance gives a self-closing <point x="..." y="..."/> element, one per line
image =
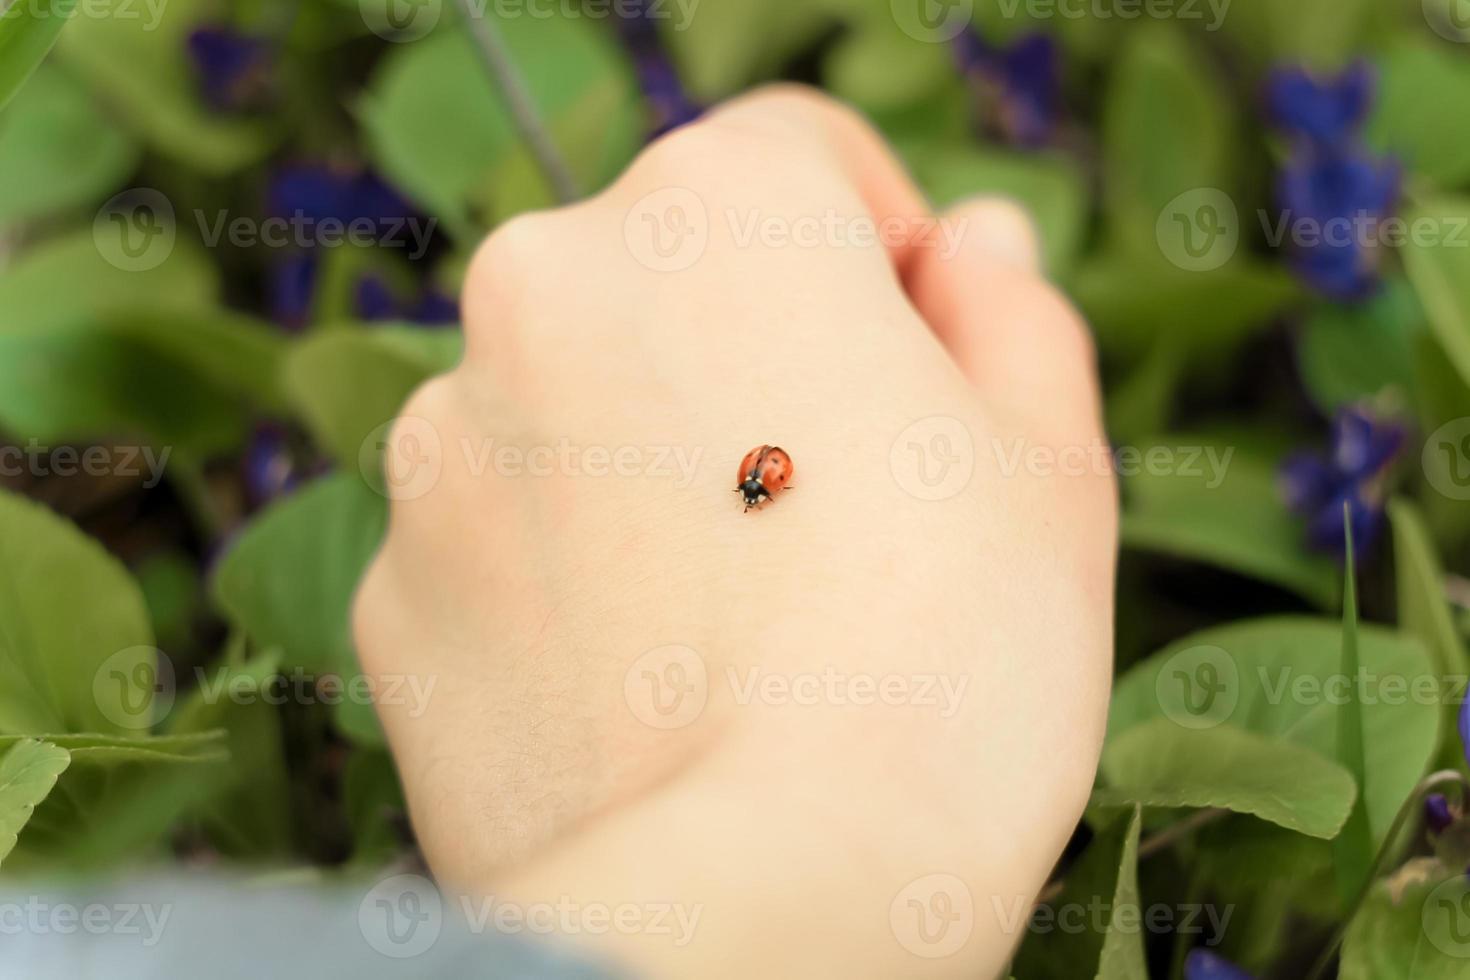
<point x="113" y="753"/>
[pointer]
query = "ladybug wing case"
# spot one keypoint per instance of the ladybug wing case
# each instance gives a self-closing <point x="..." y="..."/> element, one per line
<point x="775" y="467"/>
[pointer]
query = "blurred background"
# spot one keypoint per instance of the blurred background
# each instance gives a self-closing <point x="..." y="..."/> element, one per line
<point x="232" y="236"/>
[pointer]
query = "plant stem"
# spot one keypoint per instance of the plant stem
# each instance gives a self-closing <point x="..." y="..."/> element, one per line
<point x="507" y="78"/>
<point x="1428" y="783"/>
<point x="1151" y="846"/>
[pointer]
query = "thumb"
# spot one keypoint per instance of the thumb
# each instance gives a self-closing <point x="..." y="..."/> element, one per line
<point x="1012" y="334"/>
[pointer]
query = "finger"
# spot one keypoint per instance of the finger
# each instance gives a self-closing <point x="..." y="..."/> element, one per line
<point x="1012" y="334"/>
<point x="794" y="113"/>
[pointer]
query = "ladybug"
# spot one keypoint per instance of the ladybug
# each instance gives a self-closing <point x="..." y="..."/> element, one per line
<point x="763" y="471"/>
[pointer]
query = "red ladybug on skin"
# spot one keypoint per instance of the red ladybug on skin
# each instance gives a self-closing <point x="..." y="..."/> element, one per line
<point x="763" y="471"/>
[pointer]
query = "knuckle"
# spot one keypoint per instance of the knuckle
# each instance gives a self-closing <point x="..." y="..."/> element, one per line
<point x="429" y="401"/>
<point x="364" y="615"/>
<point x="511" y="250"/>
<point x="691" y="149"/>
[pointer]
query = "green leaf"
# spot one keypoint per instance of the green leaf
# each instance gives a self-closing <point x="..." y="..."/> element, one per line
<point x="1323" y="34"/>
<point x="1132" y="300"/>
<point x="438" y="128"/>
<point x="720" y="48"/>
<point x="27" y="32"/>
<point x="88" y="349"/>
<point x="1106" y="878"/>
<point x="1440" y="271"/>
<point x="71" y="621"/>
<point x="28" y="771"/>
<point x="99" y="749"/>
<point x="1160" y="764"/>
<point x="247" y="812"/>
<point x="1353" y="850"/>
<point x="1052" y="189"/>
<point x="67" y="283"/>
<point x="1280" y="677"/>
<point x="373" y="798"/>
<point x="1237" y="521"/>
<point x="1168" y="128"/>
<point x="57" y="150"/>
<point x="140" y="67"/>
<point x="1423" y="609"/>
<point x="1350" y="353"/>
<point x="289" y="580"/>
<point x="346" y="384"/>
<point x="1415" y="117"/>
<point x="878" y="67"/>
<point x="1413" y="924"/>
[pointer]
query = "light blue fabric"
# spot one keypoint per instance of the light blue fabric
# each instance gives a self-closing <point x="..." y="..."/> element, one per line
<point x="213" y="929"/>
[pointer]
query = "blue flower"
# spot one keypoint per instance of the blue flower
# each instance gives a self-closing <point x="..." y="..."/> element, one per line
<point x="269" y="470"/>
<point x="1022" y="83"/>
<point x="1327" y="111"/>
<point x="375" y="300"/>
<point x="1353" y="473"/>
<point x="1465" y="727"/>
<point x="1341" y="196"/>
<point x="1202" y="964"/>
<point x="316" y="193"/>
<point x="1438" y="814"/>
<point x="670" y="104"/>
<point x="290" y="287"/>
<point x="1333" y="192"/>
<point x="313" y="195"/>
<point x="233" y="69"/>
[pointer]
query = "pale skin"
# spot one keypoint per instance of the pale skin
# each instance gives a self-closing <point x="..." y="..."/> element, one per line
<point x="792" y="825"/>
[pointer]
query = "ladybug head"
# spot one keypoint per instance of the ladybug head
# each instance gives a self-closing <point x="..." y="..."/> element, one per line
<point x="752" y="492"/>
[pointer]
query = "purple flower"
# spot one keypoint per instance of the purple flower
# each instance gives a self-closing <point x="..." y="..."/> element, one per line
<point x="1326" y="111"/>
<point x="314" y="193"/>
<point x="1333" y="192"/>
<point x="670" y="104"/>
<point x="291" y="285"/>
<point x="1205" y="965"/>
<point x="1022" y="83"/>
<point x="375" y="300"/>
<point x="1341" y="196"/>
<point x="1317" y="487"/>
<point x="269" y="469"/>
<point x="317" y="197"/>
<point x="232" y="69"/>
<point x="1438" y="814"/>
<point x="1465" y="727"/>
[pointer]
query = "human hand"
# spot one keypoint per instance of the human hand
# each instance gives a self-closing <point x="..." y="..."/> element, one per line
<point x="543" y="764"/>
